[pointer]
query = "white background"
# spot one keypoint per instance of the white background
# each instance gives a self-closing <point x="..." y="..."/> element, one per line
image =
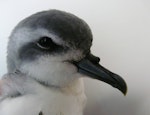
<point x="121" y="30"/>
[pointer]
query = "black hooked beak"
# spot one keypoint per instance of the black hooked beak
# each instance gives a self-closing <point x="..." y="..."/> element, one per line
<point x="90" y="66"/>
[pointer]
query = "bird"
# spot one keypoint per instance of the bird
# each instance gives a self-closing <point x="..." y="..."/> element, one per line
<point x="48" y="55"/>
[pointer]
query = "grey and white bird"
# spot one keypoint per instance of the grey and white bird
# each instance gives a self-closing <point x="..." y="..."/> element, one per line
<point x="48" y="55"/>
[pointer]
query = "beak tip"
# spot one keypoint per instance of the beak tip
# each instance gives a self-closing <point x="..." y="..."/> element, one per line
<point x="124" y="92"/>
<point x="119" y="83"/>
<point x="124" y="89"/>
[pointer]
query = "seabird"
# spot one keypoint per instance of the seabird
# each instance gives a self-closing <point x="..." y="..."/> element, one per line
<point x="48" y="56"/>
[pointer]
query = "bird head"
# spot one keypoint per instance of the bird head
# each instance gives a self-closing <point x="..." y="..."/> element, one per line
<point x="54" y="47"/>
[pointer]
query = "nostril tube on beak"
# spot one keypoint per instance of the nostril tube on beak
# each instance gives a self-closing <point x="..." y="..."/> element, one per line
<point x="93" y="58"/>
<point x="97" y="59"/>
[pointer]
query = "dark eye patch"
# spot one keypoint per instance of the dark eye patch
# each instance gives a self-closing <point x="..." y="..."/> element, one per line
<point x="46" y="43"/>
<point x="44" y="46"/>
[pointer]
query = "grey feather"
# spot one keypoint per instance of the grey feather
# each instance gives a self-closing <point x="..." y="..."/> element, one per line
<point x="15" y="84"/>
<point x="68" y="27"/>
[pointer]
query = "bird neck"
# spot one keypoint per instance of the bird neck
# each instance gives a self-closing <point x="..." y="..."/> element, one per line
<point x="75" y="87"/>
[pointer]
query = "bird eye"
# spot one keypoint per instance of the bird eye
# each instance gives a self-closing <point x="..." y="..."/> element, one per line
<point x="45" y="43"/>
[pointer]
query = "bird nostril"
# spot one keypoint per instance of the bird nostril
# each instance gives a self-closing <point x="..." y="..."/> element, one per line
<point x="98" y="59"/>
<point x="93" y="58"/>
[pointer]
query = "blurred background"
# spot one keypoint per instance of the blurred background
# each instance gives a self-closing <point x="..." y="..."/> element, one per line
<point x="121" y="30"/>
